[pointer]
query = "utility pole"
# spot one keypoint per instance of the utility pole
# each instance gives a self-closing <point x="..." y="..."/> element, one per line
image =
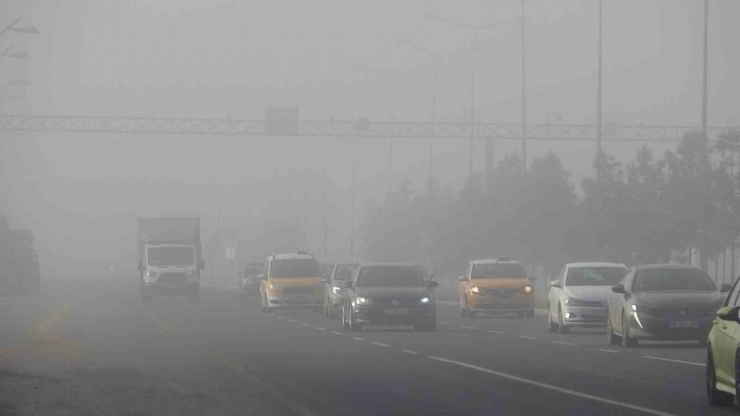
<point x="705" y="72"/>
<point x="524" y="98"/>
<point x="324" y="230"/>
<point x="434" y="120"/>
<point x="472" y="99"/>
<point x="598" y="94"/>
<point x="352" y="211"/>
<point x="390" y="166"/>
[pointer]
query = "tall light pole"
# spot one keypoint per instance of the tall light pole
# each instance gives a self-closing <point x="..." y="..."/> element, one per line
<point x="598" y="92"/>
<point x="705" y="71"/>
<point x="524" y="98"/>
<point x="489" y="141"/>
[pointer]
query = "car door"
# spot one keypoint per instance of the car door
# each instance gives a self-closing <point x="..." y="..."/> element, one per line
<point x="616" y="302"/>
<point x="555" y="293"/>
<point x="725" y="341"/>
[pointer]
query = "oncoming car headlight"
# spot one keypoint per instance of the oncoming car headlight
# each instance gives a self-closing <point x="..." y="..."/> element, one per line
<point x="337" y="290"/>
<point x="527" y="289"/>
<point x="192" y="273"/>
<point x="362" y="301"/>
<point x="424" y="300"/>
<point x="274" y="286"/>
<point x="476" y="289"/>
<point x="574" y="302"/>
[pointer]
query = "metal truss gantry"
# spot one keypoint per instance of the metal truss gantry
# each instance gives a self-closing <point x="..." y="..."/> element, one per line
<point x="335" y="128"/>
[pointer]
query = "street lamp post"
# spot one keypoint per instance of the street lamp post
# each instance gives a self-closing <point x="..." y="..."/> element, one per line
<point x="598" y="92"/>
<point x="489" y="141"/>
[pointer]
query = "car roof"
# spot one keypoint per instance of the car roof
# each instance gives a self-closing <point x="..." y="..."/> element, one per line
<point x="666" y="266"/>
<point x="595" y="264"/>
<point x="495" y="261"/>
<point x="292" y="256"/>
<point x="370" y="264"/>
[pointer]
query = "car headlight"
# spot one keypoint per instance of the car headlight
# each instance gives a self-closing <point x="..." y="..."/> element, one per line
<point x="527" y="289"/>
<point x="274" y="286"/>
<point x="192" y="273"/>
<point x="424" y="300"/>
<point x="646" y="310"/>
<point x="574" y="302"/>
<point x="337" y="290"/>
<point x="476" y="289"/>
<point x="151" y="274"/>
<point x="362" y="301"/>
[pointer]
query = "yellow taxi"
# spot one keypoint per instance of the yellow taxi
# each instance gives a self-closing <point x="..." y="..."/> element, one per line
<point x="292" y="281"/>
<point x="498" y="285"/>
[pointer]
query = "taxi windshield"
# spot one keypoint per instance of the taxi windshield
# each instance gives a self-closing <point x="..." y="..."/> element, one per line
<point x="498" y="271"/>
<point x="295" y="268"/>
<point x="389" y="277"/>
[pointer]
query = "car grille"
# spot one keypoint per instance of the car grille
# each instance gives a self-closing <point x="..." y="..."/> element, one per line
<point x="298" y="290"/>
<point x="172" y="278"/>
<point x="594" y="304"/>
<point x="685" y="313"/>
<point x="401" y="302"/>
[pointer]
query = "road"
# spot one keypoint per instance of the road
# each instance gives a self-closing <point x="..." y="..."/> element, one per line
<point x="87" y="346"/>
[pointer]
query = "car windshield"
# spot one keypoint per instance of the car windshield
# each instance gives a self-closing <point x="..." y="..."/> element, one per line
<point x="647" y="280"/>
<point x="346" y="271"/>
<point x="254" y="269"/>
<point x="389" y="277"/>
<point x="295" y="268"/>
<point x="170" y="256"/>
<point x="498" y="271"/>
<point x="595" y="276"/>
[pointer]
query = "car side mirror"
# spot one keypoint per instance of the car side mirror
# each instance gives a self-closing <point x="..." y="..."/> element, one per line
<point x="348" y="285"/>
<point x="531" y="278"/>
<point x="556" y="283"/>
<point x="141" y="266"/>
<point x="728" y="313"/>
<point x="726" y="287"/>
<point x="432" y="285"/>
<point x="618" y="288"/>
<point x="201" y="264"/>
<point x="462" y="278"/>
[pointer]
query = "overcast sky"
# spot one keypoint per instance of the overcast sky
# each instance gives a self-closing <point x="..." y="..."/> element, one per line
<point x="341" y="58"/>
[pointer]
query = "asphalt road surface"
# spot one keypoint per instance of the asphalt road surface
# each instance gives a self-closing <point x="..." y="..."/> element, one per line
<point x="88" y="346"/>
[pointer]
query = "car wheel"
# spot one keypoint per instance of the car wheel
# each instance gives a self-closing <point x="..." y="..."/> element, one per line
<point x="464" y="311"/>
<point x="562" y="329"/>
<point x="551" y="325"/>
<point x="611" y="337"/>
<point x="627" y="340"/>
<point x="353" y="325"/>
<point x="714" y="396"/>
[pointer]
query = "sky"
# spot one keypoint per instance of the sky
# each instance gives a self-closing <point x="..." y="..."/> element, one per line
<point x="333" y="58"/>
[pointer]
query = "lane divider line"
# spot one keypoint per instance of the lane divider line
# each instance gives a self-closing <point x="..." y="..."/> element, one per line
<point x="526" y="337"/>
<point x="380" y="344"/>
<point x="496" y="332"/>
<point x="674" y="361"/>
<point x="468" y="327"/>
<point x="554" y="388"/>
<point x="358" y="339"/>
<point x="563" y="343"/>
<point x="610" y="351"/>
<point x="305" y="324"/>
<point x="336" y="333"/>
<point x="409" y="352"/>
<point x="445" y="323"/>
<point x="321" y="328"/>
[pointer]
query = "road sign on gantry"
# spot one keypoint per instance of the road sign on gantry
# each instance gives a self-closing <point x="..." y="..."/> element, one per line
<point x="281" y="121"/>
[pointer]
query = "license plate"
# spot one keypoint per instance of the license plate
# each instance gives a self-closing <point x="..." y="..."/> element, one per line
<point x="396" y="311"/>
<point x="503" y="300"/>
<point x="683" y="324"/>
<point x="599" y="313"/>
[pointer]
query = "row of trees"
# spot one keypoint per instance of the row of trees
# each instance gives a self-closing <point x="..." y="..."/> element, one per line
<point x="647" y="210"/>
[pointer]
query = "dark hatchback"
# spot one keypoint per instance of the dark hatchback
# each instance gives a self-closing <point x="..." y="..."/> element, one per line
<point x="663" y="302"/>
<point x="389" y="294"/>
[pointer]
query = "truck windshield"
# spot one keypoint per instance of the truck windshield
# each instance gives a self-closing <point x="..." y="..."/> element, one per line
<point x="170" y="256"/>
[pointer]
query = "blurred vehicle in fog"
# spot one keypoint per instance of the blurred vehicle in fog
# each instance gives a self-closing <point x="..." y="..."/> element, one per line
<point x="663" y="302"/>
<point x="334" y="292"/>
<point x="723" y="351"/>
<point x="578" y="296"/>
<point x="249" y="279"/>
<point x="497" y="285"/>
<point x="292" y="281"/>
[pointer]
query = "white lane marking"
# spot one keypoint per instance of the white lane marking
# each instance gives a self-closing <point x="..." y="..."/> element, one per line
<point x="496" y="332"/>
<point x="563" y="343"/>
<point x="305" y="324"/>
<point x="468" y="327"/>
<point x="380" y="344"/>
<point x="291" y="320"/>
<point x="280" y="317"/>
<point x="554" y="388"/>
<point x="336" y="333"/>
<point x="409" y="352"/>
<point x="358" y="339"/>
<point x="611" y="351"/>
<point x="526" y="337"/>
<point x="320" y="328"/>
<point x="445" y="323"/>
<point x="674" y="361"/>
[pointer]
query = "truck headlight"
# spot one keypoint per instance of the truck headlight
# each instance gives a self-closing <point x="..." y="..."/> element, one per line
<point x="192" y="273"/>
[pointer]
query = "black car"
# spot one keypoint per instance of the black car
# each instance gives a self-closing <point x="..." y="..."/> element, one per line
<point x="249" y="279"/>
<point x="663" y="302"/>
<point x="389" y="294"/>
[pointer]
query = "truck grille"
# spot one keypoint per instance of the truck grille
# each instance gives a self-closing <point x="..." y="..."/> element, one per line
<point x="172" y="278"/>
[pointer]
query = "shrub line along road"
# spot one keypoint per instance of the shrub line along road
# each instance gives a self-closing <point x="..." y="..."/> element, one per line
<point x="90" y="347"/>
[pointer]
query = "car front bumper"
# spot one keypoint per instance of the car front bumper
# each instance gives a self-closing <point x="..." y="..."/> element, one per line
<point x="518" y="302"/>
<point x="584" y="316"/>
<point x="377" y="314"/>
<point x="301" y="301"/>
<point x="644" y="326"/>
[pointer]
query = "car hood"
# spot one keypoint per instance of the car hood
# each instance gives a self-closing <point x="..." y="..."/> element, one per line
<point x="678" y="299"/>
<point x="380" y="293"/>
<point x="588" y="293"/>
<point x="500" y="283"/>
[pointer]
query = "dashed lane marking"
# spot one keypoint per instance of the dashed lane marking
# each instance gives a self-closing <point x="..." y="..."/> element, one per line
<point x="526" y="337"/>
<point x="610" y="351"/>
<point x="380" y="344"/>
<point x="321" y="328"/>
<point x="409" y="352"/>
<point x="445" y="323"/>
<point x="468" y="327"/>
<point x="336" y="333"/>
<point x="496" y="332"/>
<point x="674" y="361"/>
<point x="554" y="388"/>
<point x="358" y="339"/>
<point x="305" y="324"/>
<point x="563" y="343"/>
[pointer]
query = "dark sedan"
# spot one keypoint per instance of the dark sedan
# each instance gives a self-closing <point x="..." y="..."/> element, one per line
<point x="389" y="294"/>
<point x="662" y="302"/>
<point x="249" y="279"/>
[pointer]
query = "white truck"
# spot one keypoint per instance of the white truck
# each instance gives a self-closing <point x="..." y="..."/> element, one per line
<point x="169" y="250"/>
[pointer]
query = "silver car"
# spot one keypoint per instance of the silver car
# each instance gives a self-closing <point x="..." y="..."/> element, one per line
<point x="578" y="297"/>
